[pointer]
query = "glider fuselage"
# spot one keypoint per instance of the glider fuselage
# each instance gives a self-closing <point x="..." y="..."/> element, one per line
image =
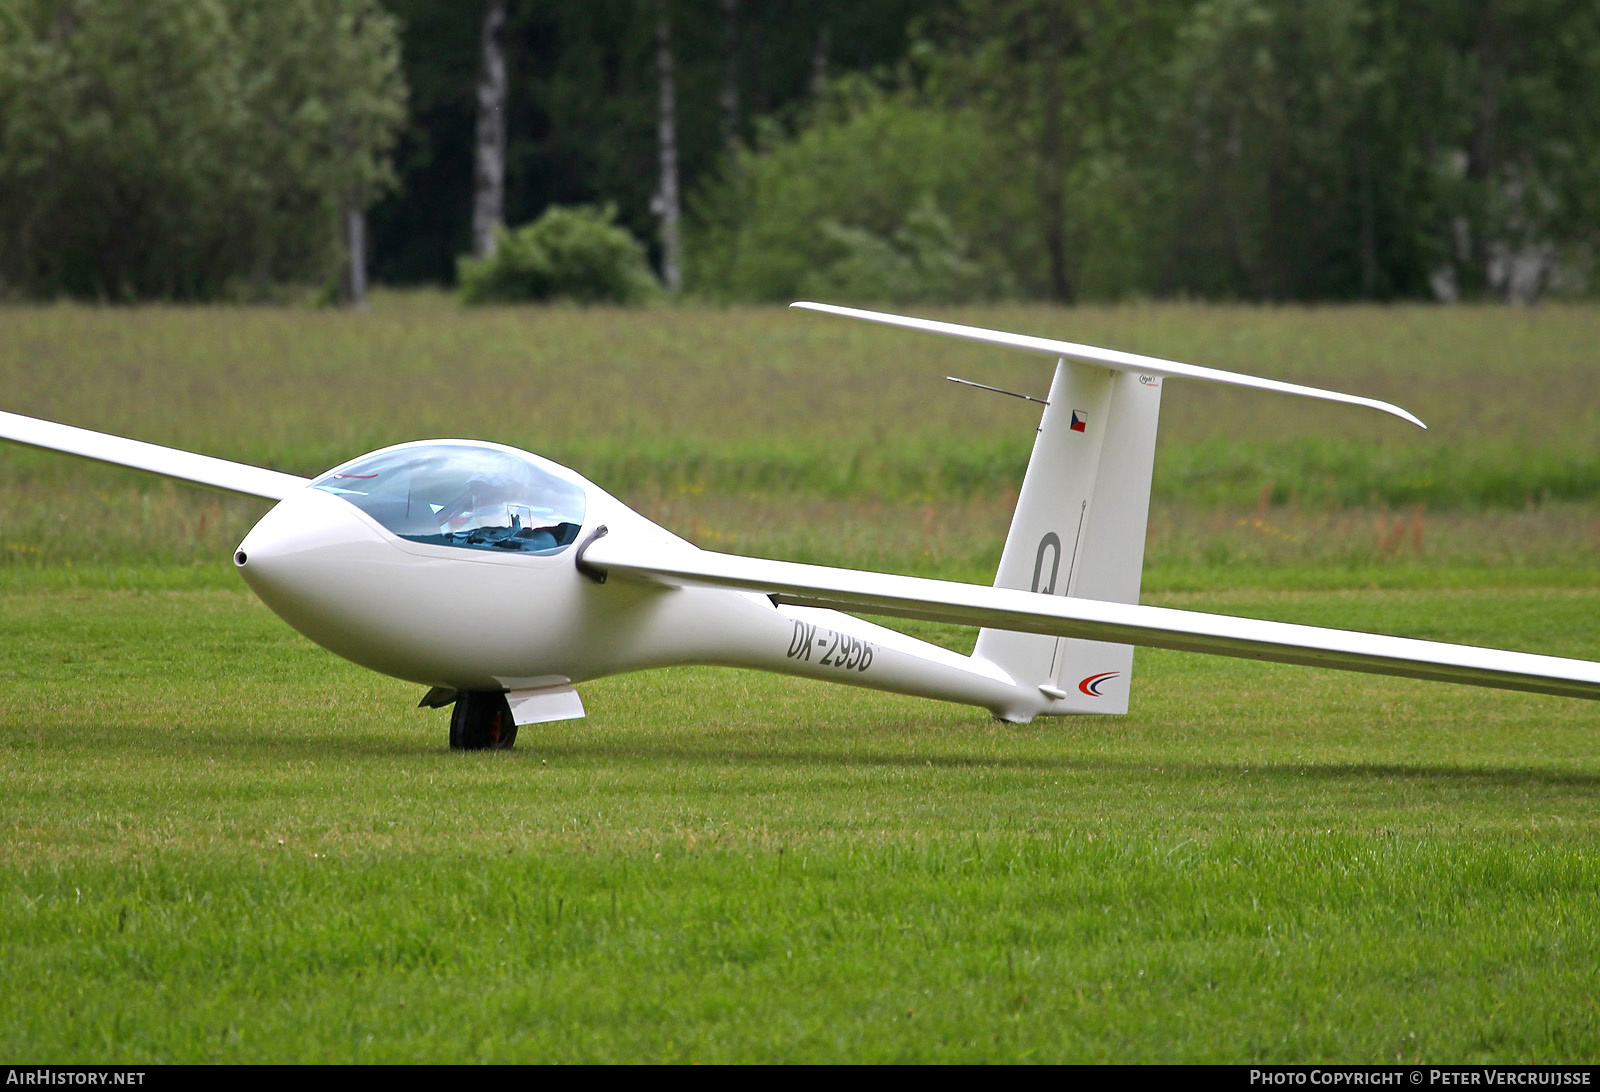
<point x="504" y="619"/>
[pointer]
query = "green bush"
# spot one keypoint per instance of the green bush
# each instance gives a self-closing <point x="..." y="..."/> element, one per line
<point x="576" y="253"/>
<point x="881" y="199"/>
<point x="925" y="261"/>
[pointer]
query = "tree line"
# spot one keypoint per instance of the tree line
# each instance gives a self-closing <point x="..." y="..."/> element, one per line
<point x="180" y="149"/>
<point x="944" y="150"/>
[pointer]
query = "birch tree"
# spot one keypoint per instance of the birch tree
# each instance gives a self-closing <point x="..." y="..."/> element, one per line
<point x="489" y="158"/>
<point x="728" y="97"/>
<point x="667" y="204"/>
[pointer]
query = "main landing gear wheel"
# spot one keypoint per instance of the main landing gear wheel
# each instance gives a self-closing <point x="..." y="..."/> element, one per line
<point x="481" y="721"/>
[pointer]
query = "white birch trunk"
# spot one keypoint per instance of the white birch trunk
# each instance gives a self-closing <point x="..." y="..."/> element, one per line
<point x="729" y="98"/>
<point x="489" y="160"/>
<point x="667" y="202"/>
<point x="355" y="286"/>
<point x="819" y="61"/>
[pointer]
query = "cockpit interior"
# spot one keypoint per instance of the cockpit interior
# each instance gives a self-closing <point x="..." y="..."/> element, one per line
<point x="462" y="495"/>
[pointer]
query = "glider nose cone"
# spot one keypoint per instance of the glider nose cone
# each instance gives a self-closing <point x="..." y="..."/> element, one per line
<point x="304" y="552"/>
<point x="431" y="614"/>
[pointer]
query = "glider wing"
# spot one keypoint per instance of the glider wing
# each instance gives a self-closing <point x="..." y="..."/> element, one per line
<point x="1124" y="623"/>
<point x="200" y="469"/>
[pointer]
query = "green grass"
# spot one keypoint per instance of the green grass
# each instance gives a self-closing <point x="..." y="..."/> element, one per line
<point x="659" y="401"/>
<point x="222" y="844"/>
<point x="219" y="843"/>
<point x="723" y="421"/>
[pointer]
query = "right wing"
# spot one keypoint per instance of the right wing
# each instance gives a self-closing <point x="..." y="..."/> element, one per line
<point x="201" y="469"/>
<point x="1120" y="623"/>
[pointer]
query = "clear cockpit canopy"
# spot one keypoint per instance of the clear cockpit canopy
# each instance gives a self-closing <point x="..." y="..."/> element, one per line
<point x="477" y="498"/>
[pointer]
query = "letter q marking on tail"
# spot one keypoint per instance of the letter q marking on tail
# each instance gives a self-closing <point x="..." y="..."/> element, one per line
<point x="1053" y="541"/>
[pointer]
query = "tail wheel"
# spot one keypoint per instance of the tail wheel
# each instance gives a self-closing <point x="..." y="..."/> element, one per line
<point x="481" y="721"/>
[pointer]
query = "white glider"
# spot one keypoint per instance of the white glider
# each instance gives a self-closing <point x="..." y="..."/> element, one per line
<point x="499" y="579"/>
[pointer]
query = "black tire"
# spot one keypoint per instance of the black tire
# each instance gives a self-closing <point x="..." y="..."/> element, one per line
<point x="481" y="721"/>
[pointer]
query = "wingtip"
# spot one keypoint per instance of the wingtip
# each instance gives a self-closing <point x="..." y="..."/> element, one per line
<point x="1391" y="409"/>
<point x="839" y="309"/>
<point x="812" y="305"/>
<point x="1405" y="415"/>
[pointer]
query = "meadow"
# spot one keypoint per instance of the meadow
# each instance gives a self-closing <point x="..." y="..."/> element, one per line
<point x="221" y="843"/>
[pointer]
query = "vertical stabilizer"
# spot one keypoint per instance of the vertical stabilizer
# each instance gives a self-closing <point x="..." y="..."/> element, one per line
<point x="1079" y="530"/>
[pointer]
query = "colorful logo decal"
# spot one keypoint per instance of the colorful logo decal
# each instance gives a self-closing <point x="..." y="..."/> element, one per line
<point x="1080" y="420"/>
<point x="1091" y="685"/>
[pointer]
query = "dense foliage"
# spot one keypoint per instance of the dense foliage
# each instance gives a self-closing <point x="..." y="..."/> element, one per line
<point x="909" y="150"/>
<point x="185" y="148"/>
<point x="882" y="199"/>
<point x="583" y="105"/>
<point x="1341" y="149"/>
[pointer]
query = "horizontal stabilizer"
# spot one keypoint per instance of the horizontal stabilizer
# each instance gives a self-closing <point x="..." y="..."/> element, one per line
<point x="1127" y="362"/>
<point x="1122" y="623"/>
<point x="200" y="469"/>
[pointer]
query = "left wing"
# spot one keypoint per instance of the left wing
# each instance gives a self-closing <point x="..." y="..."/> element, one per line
<point x="1122" y="623"/>
<point x="201" y="469"/>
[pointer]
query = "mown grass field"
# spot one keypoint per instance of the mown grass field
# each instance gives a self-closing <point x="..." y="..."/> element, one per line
<point x="223" y="844"/>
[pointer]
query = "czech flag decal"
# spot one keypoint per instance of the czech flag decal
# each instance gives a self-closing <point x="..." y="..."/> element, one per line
<point x="1080" y="420"/>
<point x="1091" y="685"/>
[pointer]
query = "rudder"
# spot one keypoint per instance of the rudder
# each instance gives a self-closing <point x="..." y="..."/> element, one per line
<point x="1079" y="530"/>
